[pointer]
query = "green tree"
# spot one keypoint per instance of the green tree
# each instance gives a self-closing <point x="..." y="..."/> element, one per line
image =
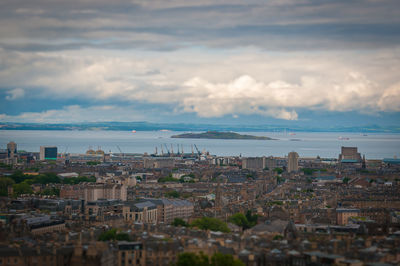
<point x="122" y="237"/>
<point x="22" y="188"/>
<point x="240" y="220"/>
<point x="5" y="166"/>
<point x="251" y="218"/>
<point x="46" y="178"/>
<point x="308" y="171"/>
<point x="346" y="180"/>
<point x="179" y="222"/>
<point x="172" y="194"/>
<point x="79" y="179"/>
<point x="51" y="192"/>
<point x="192" y="259"/>
<point x="18" y="176"/>
<point x="219" y="259"/>
<point x="5" y="182"/>
<point x="208" y="223"/>
<point x="278" y="170"/>
<point x="278" y="237"/>
<point x="112" y="234"/>
<point x="108" y="235"/>
<point x="167" y="179"/>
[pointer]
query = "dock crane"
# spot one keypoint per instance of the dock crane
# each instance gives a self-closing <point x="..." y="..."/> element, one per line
<point x="198" y="152"/>
<point x="123" y="155"/>
<point x="166" y="148"/>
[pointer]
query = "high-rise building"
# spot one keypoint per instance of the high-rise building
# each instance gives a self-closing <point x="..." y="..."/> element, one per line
<point x="254" y="163"/>
<point x="293" y="162"/>
<point x="11" y="149"/>
<point x="350" y="154"/>
<point x="48" y="153"/>
<point x="270" y="163"/>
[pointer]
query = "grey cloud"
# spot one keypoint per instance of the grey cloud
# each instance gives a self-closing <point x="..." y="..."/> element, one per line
<point x="168" y="25"/>
<point x="213" y="87"/>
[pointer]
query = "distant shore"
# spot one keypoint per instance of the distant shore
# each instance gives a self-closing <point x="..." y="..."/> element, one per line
<point x="219" y="135"/>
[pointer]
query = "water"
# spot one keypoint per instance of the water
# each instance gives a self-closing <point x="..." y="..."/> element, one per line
<point x="309" y="144"/>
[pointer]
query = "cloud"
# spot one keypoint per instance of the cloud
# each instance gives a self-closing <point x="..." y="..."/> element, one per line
<point x="243" y="82"/>
<point x="171" y="25"/>
<point x="390" y="100"/>
<point x="279" y="98"/>
<point x="15" y="94"/>
<point x="76" y="113"/>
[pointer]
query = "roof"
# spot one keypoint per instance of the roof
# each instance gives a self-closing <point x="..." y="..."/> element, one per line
<point x="391" y="160"/>
<point x="347" y="210"/>
<point x="349" y="161"/>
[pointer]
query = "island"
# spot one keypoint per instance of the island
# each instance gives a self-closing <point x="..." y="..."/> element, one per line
<point x="218" y="135"/>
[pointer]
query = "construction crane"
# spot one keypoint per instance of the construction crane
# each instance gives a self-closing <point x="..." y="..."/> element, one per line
<point x="166" y="148"/>
<point x="123" y="155"/>
<point x="198" y="152"/>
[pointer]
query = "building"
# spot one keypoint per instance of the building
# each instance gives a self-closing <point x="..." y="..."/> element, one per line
<point x="94" y="191"/>
<point x="254" y="163"/>
<point x="11" y="157"/>
<point x="270" y="163"/>
<point x="11" y="150"/>
<point x="130" y="253"/>
<point x="142" y="212"/>
<point x="44" y="224"/>
<point x="159" y="163"/>
<point x="350" y="154"/>
<point x="48" y="153"/>
<point x="343" y="215"/>
<point x="293" y="162"/>
<point x="169" y="209"/>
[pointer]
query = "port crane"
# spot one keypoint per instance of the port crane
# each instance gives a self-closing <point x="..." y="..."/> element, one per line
<point x="123" y="155"/>
<point x="166" y="148"/>
<point x="198" y="152"/>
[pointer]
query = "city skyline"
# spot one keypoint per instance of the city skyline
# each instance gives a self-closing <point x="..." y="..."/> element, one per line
<point x="275" y="62"/>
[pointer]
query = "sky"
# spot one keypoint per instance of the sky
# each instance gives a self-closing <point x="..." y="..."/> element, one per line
<point x="303" y="62"/>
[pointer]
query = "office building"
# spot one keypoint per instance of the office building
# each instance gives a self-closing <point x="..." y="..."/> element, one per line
<point x="293" y="162"/>
<point x="343" y="215"/>
<point x="11" y="149"/>
<point x="254" y="163"/>
<point x="270" y="163"/>
<point x="94" y="191"/>
<point x="48" y="153"/>
<point x="141" y="212"/>
<point x="169" y="209"/>
<point x="12" y="152"/>
<point x="159" y="162"/>
<point x="350" y="154"/>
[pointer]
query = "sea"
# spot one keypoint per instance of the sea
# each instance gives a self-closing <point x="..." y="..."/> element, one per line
<point x="306" y="144"/>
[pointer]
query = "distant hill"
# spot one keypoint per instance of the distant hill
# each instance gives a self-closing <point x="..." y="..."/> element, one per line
<point x="218" y="135"/>
<point x="147" y="126"/>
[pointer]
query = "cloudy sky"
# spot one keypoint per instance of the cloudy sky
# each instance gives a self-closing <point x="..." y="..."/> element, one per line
<point x="314" y="62"/>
